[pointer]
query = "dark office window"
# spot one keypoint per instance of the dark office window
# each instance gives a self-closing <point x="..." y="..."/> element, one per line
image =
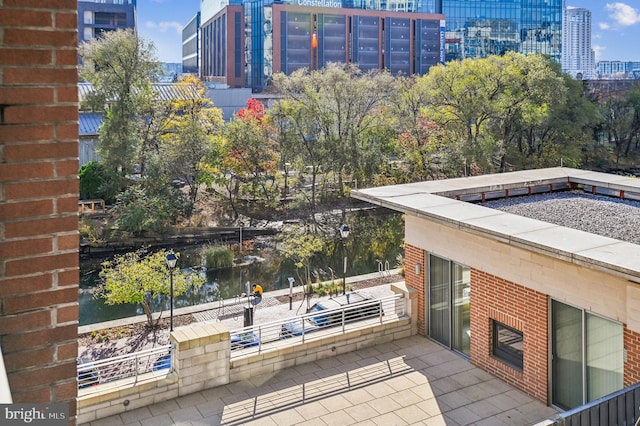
<point x="507" y="345"/>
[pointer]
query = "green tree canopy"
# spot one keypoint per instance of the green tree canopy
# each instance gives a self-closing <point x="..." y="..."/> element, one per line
<point x="120" y="66"/>
<point x="140" y="277"/>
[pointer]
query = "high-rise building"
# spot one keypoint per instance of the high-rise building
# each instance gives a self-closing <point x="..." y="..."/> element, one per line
<point x="578" y="58"/>
<point x="98" y="16"/>
<point x="479" y="28"/>
<point x="245" y="42"/>
<point x="191" y="46"/>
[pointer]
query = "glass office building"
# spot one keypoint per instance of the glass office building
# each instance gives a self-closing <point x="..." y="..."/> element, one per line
<point x="478" y="28"/>
<point x="245" y="43"/>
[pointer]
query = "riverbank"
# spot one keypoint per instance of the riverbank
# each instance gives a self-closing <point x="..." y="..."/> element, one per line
<point x="119" y="337"/>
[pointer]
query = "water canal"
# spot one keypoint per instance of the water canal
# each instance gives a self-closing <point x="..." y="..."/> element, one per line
<point x="376" y="240"/>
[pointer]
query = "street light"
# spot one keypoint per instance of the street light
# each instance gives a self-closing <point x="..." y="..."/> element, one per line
<point x="344" y="234"/>
<point x="286" y="176"/>
<point x="171" y="259"/>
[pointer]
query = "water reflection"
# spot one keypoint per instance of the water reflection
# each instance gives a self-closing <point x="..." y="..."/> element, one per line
<point x="375" y="235"/>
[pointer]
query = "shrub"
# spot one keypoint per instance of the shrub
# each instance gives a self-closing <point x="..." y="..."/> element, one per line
<point x="217" y="257"/>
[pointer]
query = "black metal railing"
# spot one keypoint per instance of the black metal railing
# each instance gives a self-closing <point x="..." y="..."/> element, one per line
<point x="620" y="408"/>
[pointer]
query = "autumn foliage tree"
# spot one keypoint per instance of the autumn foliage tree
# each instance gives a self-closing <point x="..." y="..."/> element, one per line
<point x="252" y="155"/>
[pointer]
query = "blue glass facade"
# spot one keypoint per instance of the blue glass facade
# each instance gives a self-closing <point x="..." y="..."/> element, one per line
<point x="478" y="28"/>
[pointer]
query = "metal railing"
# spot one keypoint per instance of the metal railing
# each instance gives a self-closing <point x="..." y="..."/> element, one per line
<point x="92" y="373"/>
<point x="618" y="408"/>
<point x="281" y="333"/>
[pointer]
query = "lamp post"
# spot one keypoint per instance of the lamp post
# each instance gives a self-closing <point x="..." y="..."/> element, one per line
<point x="171" y="264"/>
<point x="344" y="234"/>
<point x="286" y="177"/>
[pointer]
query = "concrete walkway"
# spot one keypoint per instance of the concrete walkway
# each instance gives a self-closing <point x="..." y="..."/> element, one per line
<point x="409" y="381"/>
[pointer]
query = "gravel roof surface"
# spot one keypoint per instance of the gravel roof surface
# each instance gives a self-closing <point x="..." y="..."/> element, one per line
<point x="596" y="214"/>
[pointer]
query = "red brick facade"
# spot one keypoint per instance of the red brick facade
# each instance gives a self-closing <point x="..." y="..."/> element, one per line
<point x="414" y="255"/>
<point x="525" y="310"/>
<point x="632" y="364"/>
<point x="38" y="199"/>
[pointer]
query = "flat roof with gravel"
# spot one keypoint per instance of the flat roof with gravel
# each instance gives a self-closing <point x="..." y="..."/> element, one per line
<point x="593" y="230"/>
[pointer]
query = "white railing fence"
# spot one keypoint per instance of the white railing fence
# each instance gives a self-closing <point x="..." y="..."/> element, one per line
<point x="280" y="333"/>
<point x="91" y="373"/>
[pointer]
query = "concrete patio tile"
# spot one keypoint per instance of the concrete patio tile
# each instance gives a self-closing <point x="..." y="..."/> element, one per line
<point x="362" y="412"/>
<point x="287" y="418"/>
<point x="380" y="389"/>
<point x="433" y="407"/>
<point x="492" y="421"/>
<point x="210" y="408"/>
<point x="313" y="422"/>
<point x="385" y="405"/>
<point x="423" y="390"/>
<point x="190" y="400"/>
<point x="214" y="420"/>
<point x="462" y="416"/>
<point x="408" y="397"/>
<point x="388" y="419"/>
<point x="339" y="417"/>
<point x="412" y="414"/>
<point x="336" y="403"/>
<point x="264" y="421"/>
<point x="484" y="409"/>
<point x="358" y="396"/>
<point x="439" y="421"/>
<point x="400" y="383"/>
<point x="213" y="394"/>
<point x="108" y="421"/>
<point x="136" y="415"/>
<point x="417" y="377"/>
<point x="164" y="407"/>
<point x="312" y="410"/>
<point x="444" y="386"/>
<point x="136" y="423"/>
<point x="161" y="420"/>
<point x="513" y="417"/>
<point x="454" y="400"/>
<point x="185" y="414"/>
<point x="448" y="368"/>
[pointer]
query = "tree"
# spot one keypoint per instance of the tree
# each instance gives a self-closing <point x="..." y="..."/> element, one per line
<point x="139" y="277"/>
<point x="190" y="135"/>
<point x="335" y="120"/>
<point x="253" y="152"/>
<point x="120" y="66"/>
<point x="300" y="244"/>
<point x="487" y="105"/>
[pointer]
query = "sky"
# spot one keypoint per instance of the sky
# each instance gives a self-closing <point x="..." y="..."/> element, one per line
<point x="615" y="26"/>
<point x="161" y="22"/>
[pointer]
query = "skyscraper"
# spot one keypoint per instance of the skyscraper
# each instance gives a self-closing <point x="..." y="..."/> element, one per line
<point x="578" y="58"/>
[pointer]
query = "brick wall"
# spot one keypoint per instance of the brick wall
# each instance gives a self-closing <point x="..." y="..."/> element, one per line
<point x="38" y="199"/>
<point x="632" y="365"/>
<point x="526" y="310"/>
<point x="414" y="255"/>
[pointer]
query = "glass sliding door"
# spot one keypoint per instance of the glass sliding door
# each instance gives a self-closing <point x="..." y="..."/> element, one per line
<point x="449" y="303"/>
<point x="587" y="356"/>
<point x="440" y="300"/>
<point x="460" y="318"/>
<point x="567" y="355"/>
<point x="605" y="346"/>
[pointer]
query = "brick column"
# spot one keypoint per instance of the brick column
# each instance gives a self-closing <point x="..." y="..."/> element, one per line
<point x="415" y="255"/>
<point x="38" y="199"/>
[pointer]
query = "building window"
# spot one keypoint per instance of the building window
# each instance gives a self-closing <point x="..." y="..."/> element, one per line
<point x="507" y="345"/>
